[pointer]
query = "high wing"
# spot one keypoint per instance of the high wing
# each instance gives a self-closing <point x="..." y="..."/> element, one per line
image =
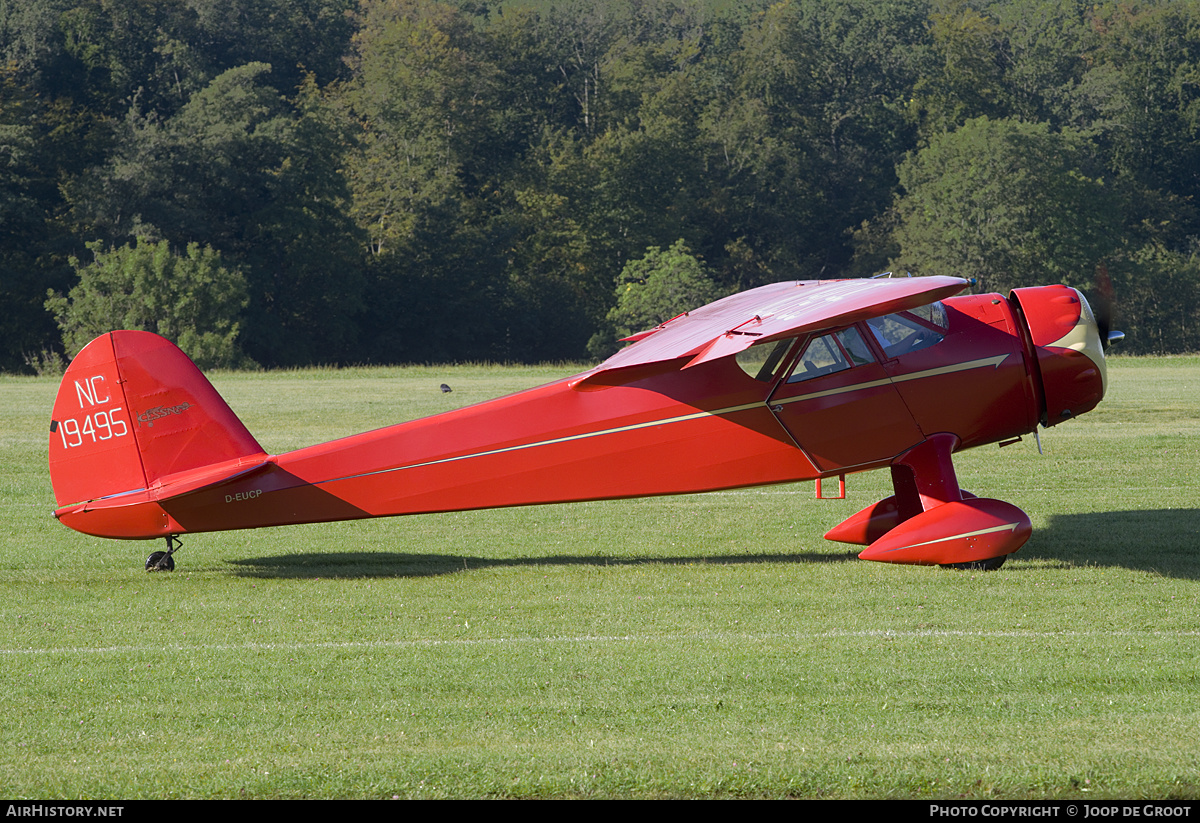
<point x="768" y="313"/>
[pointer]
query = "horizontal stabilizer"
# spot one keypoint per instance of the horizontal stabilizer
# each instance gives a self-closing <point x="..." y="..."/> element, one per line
<point x="168" y="488"/>
<point x="175" y="486"/>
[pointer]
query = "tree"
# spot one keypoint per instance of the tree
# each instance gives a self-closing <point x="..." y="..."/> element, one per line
<point x="297" y="37"/>
<point x="551" y="286"/>
<point x="1048" y="48"/>
<point x="1007" y="203"/>
<point x="27" y="195"/>
<point x="647" y="178"/>
<point x="1157" y="300"/>
<point x="968" y="80"/>
<point x="256" y="177"/>
<point x="1147" y="112"/>
<point x="123" y="48"/>
<point x="812" y="127"/>
<point x="303" y="255"/>
<point x="420" y="96"/>
<point x="652" y="290"/>
<point x="198" y="175"/>
<point x="191" y="299"/>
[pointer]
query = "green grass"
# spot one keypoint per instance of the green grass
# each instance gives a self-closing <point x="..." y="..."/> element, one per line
<point x="705" y="646"/>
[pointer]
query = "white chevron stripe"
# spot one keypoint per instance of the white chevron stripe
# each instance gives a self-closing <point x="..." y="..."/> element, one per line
<point x="1010" y="527"/>
<point x="994" y="362"/>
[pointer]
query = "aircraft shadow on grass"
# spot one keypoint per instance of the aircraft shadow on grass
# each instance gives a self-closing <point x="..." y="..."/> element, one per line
<point x="398" y="564"/>
<point x="1164" y="541"/>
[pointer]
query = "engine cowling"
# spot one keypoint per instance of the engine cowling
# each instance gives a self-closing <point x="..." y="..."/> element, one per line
<point x="1064" y="348"/>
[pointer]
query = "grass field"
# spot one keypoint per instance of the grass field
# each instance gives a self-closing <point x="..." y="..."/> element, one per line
<point x="705" y="646"/>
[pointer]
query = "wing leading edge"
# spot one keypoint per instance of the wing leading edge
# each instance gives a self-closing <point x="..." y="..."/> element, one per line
<point x="768" y="313"/>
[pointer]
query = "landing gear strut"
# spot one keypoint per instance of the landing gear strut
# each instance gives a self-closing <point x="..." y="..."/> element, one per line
<point x="162" y="561"/>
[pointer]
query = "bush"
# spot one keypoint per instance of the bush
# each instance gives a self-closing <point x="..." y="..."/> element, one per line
<point x="652" y="290"/>
<point x="191" y="299"/>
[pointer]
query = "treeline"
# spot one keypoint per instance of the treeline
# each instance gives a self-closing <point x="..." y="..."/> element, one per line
<point x="287" y="182"/>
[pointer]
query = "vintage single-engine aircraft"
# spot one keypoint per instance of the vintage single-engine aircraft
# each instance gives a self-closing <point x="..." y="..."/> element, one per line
<point x="791" y="381"/>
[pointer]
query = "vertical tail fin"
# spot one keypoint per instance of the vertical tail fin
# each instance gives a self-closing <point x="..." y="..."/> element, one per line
<point x="131" y="410"/>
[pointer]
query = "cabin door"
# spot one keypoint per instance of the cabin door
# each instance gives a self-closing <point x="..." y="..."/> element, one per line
<point x="840" y="407"/>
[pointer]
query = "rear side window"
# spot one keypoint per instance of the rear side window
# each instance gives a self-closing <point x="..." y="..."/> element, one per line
<point x="762" y="361"/>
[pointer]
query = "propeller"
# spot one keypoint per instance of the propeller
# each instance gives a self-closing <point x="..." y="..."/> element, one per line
<point x="1103" y="308"/>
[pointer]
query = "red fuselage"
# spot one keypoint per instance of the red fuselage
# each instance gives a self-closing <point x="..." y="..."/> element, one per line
<point x="976" y="372"/>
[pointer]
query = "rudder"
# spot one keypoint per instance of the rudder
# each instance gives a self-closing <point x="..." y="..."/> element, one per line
<point x="132" y="409"/>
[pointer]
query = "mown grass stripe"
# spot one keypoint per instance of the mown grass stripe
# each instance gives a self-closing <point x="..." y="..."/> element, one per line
<point x="664" y="638"/>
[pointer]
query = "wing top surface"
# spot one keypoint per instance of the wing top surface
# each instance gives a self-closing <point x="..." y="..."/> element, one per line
<point x="772" y="312"/>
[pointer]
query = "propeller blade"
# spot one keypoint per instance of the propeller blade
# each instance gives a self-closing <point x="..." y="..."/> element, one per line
<point x="1103" y="307"/>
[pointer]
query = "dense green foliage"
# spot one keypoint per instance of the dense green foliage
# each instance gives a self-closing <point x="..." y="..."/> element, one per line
<point x="653" y="289"/>
<point x="411" y="180"/>
<point x="190" y="298"/>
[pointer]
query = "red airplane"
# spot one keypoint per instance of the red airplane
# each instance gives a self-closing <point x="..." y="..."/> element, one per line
<point x="791" y="381"/>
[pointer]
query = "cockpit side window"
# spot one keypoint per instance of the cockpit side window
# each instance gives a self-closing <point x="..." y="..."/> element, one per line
<point x="855" y="346"/>
<point x="831" y="353"/>
<point x="909" y="331"/>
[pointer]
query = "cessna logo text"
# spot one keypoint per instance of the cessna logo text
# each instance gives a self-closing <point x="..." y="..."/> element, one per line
<point x="159" y="412"/>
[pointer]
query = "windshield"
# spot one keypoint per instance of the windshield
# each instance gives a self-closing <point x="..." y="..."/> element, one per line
<point x="908" y="331"/>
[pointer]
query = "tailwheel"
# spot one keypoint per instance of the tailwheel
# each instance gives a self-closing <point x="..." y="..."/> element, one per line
<point x="989" y="565"/>
<point x="163" y="561"/>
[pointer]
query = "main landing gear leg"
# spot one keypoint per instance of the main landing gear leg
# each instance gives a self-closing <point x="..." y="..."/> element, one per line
<point x="931" y="521"/>
<point x="162" y="561"/>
